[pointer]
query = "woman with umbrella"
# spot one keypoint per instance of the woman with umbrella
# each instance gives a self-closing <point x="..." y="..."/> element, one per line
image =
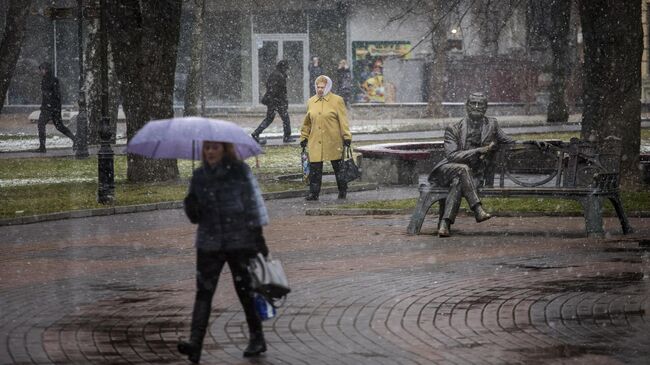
<point x="224" y="199"/>
<point x="226" y="202"/>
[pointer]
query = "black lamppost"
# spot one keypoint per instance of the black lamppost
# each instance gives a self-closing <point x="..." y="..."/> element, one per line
<point x="81" y="142"/>
<point x="105" y="164"/>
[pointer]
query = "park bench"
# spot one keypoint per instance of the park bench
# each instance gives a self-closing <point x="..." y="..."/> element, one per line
<point x="577" y="170"/>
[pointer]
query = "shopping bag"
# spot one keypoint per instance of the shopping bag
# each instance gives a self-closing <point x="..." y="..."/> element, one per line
<point x="264" y="308"/>
<point x="304" y="160"/>
<point x="349" y="171"/>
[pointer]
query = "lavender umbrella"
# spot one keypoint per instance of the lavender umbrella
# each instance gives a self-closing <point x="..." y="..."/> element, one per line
<point x="183" y="137"/>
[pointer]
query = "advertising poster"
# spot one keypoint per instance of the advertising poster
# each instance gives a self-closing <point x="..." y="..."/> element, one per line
<point x="368" y="68"/>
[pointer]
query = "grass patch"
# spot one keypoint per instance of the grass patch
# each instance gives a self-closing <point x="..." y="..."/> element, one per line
<point x="49" y="198"/>
<point x="632" y="201"/>
<point x="53" y="184"/>
<point x="59" y="194"/>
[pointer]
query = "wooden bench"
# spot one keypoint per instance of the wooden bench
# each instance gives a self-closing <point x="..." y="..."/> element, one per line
<point x="576" y="170"/>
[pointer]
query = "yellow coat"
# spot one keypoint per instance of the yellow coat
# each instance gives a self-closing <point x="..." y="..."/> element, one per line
<point x="325" y="126"/>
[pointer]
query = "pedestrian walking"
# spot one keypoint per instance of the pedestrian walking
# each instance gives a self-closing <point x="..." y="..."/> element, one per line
<point x="276" y="99"/>
<point x="225" y="200"/>
<point x="315" y="70"/>
<point x="344" y="82"/>
<point x="325" y="132"/>
<point x="50" y="106"/>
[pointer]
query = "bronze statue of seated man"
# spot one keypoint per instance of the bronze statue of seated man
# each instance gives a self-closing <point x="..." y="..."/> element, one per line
<point x="469" y="152"/>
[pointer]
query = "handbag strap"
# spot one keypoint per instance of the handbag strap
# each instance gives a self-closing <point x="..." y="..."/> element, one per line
<point x="261" y="262"/>
<point x="347" y="152"/>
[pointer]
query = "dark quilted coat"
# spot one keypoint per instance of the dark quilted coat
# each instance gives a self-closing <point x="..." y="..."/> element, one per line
<point x="222" y="201"/>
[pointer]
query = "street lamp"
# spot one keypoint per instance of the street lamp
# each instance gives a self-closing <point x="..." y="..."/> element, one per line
<point x="105" y="163"/>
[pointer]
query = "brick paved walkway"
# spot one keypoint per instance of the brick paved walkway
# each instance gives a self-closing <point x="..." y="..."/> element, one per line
<point x="119" y="289"/>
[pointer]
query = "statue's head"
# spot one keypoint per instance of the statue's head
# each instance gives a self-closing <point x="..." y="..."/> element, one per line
<point x="476" y="105"/>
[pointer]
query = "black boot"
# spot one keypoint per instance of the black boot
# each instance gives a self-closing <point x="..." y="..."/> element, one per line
<point x="314" y="190"/>
<point x="256" y="345"/>
<point x="288" y="139"/>
<point x="200" y="317"/>
<point x="257" y="139"/>
<point x="315" y="179"/>
<point x="191" y="349"/>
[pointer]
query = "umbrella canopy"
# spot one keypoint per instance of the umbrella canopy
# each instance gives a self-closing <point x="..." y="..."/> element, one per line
<point x="183" y="137"/>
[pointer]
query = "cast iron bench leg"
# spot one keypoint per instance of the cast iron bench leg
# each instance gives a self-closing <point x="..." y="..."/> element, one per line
<point x="622" y="217"/>
<point x="592" y="207"/>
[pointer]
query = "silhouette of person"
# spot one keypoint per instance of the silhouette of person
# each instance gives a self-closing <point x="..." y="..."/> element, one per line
<point x="50" y="106"/>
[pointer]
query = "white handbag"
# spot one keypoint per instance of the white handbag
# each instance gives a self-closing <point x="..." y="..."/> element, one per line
<point x="268" y="278"/>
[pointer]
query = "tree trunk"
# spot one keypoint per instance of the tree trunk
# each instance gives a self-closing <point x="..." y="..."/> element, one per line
<point x="12" y="43"/>
<point x="613" y="44"/>
<point x="560" y="10"/>
<point x="193" y="89"/>
<point x="438" y="69"/>
<point x="145" y="36"/>
<point x="91" y="80"/>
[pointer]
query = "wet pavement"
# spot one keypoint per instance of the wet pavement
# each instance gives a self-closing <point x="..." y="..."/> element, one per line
<point x="119" y="289"/>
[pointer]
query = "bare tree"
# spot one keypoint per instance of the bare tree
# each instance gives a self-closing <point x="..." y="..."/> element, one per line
<point x="193" y="88"/>
<point x="549" y="25"/>
<point x="439" y="14"/>
<point x="490" y="17"/>
<point x="438" y="70"/>
<point x="557" y="111"/>
<point x="144" y="36"/>
<point x="613" y="45"/>
<point x="12" y="42"/>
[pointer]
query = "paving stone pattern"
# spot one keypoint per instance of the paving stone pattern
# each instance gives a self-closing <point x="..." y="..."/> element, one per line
<point x="516" y="291"/>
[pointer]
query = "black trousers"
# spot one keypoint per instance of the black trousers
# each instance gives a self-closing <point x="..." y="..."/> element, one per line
<point x="270" y="115"/>
<point x="55" y="117"/>
<point x="316" y="177"/>
<point x="209" y="266"/>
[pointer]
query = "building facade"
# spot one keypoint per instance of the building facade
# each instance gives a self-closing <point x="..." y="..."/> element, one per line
<point x="390" y="60"/>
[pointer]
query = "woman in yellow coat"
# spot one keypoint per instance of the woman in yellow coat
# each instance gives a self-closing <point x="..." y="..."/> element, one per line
<point x="325" y="132"/>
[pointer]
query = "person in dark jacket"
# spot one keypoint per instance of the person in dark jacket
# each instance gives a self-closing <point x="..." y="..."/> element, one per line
<point x="275" y="98"/>
<point x="315" y="70"/>
<point x="225" y="201"/>
<point x="50" y="106"/>
<point x="344" y="82"/>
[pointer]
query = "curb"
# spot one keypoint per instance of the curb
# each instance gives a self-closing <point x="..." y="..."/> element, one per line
<point x="125" y="209"/>
<point x="355" y="211"/>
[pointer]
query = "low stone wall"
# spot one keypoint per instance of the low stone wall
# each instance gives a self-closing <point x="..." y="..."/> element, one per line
<point x="398" y="163"/>
<point x="402" y="163"/>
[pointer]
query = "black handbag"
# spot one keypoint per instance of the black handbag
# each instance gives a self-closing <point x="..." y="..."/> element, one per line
<point x="349" y="170"/>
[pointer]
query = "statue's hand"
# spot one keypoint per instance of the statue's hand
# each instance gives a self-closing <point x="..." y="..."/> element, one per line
<point x="489" y="148"/>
